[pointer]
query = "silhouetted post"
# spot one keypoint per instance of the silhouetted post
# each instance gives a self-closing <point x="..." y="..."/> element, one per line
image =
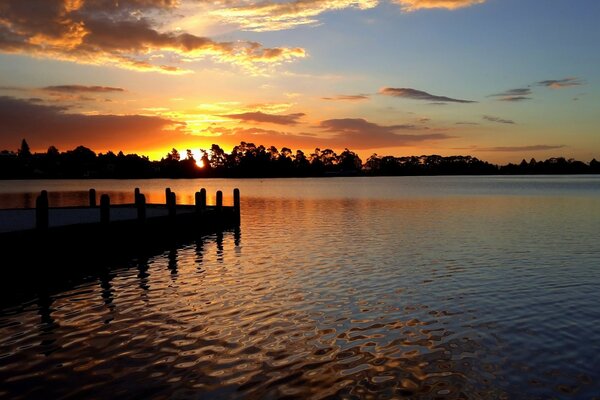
<point x="203" y="199"/>
<point x="41" y="210"/>
<point x="236" y="204"/>
<point x="136" y="195"/>
<point x="219" y="201"/>
<point x="104" y="209"/>
<point x="92" y="197"/>
<point x="172" y="204"/>
<point x="141" y="207"/>
<point x="197" y="202"/>
<point x="167" y="196"/>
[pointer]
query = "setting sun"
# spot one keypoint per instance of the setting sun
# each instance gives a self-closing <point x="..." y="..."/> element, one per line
<point x="198" y="157"/>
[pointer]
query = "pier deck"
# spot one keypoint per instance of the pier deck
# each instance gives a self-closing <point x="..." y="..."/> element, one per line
<point x="38" y="236"/>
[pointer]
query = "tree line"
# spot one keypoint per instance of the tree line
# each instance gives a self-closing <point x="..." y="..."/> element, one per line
<point x="248" y="160"/>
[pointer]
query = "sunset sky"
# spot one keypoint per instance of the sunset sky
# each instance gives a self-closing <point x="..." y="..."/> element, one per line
<point x="498" y="79"/>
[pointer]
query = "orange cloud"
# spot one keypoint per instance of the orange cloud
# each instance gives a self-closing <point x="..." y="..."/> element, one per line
<point x="119" y="33"/>
<point x="273" y="16"/>
<point x="414" y="5"/>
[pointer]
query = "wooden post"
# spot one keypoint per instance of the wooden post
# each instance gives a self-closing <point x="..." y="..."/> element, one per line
<point x="141" y="207"/>
<point x="203" y="199"/>
<point x="197" y="202"/>
<point x="167" y="196"/>
<point x="92" y="197"/>
<point x="136" y="196"/>
<point x="41" y="210"/>
<point x="219" y="201"/>
<point x="104" y="209"/>
<point x="236" y="204"/>
<point x="172" y="204"/>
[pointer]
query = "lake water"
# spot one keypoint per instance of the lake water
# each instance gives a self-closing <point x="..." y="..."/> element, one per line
<point x="420" y="287"/>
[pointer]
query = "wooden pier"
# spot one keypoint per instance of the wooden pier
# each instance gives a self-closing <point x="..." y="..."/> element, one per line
<point x="103" y="231"/>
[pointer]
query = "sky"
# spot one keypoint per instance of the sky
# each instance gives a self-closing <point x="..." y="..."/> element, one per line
<point x="501" y="80"/>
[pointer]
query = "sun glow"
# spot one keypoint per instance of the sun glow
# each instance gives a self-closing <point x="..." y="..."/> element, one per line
<point x="198" y="157"/>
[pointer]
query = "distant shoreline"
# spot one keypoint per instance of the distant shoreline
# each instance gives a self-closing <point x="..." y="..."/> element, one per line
<point x="291" y="177"/>
<point x="250" y="161"/>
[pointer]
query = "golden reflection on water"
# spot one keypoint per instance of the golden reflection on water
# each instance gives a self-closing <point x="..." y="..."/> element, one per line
<point x="440" y="297"/>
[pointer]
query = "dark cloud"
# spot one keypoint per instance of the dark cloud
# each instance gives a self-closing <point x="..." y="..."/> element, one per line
<point x="466" y="123"/>
<point x="347" y="97"/>
<point x="117" y="33"/>
<point x="497" y="119"/>
<point x="44" y="125"/>
<point x="354" y="133"/>
<point x="538" y="147"/>
<point x="82" y="89"/>
<point x="419" y="95"/>
<point x="258" y="116"/>
<point x="519" y="94"/>
<point x="561" y="83"/>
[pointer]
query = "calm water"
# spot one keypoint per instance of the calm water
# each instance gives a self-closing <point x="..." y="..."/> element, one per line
<point x="438" y="287"/>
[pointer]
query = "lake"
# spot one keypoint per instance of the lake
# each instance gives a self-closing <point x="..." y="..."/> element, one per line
<point x="420" y="287"/>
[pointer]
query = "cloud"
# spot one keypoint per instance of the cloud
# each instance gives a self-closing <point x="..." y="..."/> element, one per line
<point x="353" y="133"/>
<point x="519" y="94"/>
<point x="273" y="16"/>
<point x="414" y="5"/>
<point x="106" y="32"/>
<point x="347" y="97"/>
<point x="538" y="147"/>
<point x="44" y="125"/>
<point x="419" y="95"/>
<point x="258" y="116"/>
<point x="82" y="89"/>
<point x="497" y="119"/>
<point x="466" y="123"/>
<point x="561" y="83"/>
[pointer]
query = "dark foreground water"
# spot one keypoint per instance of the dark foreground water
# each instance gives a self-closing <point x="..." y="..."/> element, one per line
<point x="440" y="287"/>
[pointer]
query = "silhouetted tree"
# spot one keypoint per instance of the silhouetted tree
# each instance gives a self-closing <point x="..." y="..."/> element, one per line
<point x="250" y="160"/>
<point x="24" y="151"/>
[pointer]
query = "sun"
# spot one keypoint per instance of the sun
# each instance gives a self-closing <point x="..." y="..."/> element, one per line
<point x="198" y="157"/>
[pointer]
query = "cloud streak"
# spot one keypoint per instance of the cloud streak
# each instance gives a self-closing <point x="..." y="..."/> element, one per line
<point x="414" y="5"/>
<point x="498" y="119"/>
<point x="513" y="95"/>
<point x="537" y="147"/>
<point x="415" y="94"/>
<point x="260" y="117"/>
<point x="561" y="83"/>
<point x="82" y="89"/>
<point x="347" y="97"/>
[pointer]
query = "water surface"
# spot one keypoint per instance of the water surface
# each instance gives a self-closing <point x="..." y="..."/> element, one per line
<point x="420" y="287"/>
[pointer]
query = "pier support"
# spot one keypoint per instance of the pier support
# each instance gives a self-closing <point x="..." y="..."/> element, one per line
<point x="41" y="210"/>
<point x="141" y="207"/>
<point x="219" y="201"/>
<point x="203" y="199"/>
<point x="167" y="196"/>
<point x="136" y="195"/>
<point x="92" y="195"/>
<point x="236" y="204"/>
<point x="172" y="204"/>
<point x="104" y="209"/>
